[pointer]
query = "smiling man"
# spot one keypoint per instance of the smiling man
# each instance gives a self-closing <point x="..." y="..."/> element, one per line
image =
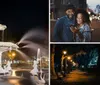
<point x="62" y="32"/>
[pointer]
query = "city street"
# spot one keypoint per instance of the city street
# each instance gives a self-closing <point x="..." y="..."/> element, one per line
<point x="78" y="76"/>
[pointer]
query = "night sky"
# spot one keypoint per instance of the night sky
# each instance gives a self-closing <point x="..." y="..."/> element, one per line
<point x="22" y="15"/>
<point x="74" y="48"/>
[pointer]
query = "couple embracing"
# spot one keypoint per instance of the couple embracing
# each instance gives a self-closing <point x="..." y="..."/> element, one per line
<point x="73" y="27"/>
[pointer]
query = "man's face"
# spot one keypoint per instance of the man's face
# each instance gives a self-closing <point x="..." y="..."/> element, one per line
<point x="70" y="13"/>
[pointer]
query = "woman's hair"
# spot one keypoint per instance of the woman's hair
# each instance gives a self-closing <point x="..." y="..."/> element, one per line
<point x="84" y="14"/>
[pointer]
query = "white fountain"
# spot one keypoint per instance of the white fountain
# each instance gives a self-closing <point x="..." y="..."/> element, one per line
<point x="35" y="71"/>
<point x="8" y="66"/>
<point x="6" y="46"/>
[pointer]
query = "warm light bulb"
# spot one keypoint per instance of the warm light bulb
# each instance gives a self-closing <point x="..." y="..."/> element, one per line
<point x="13" y="54"/>
<point x="64" y="52"/>
<point x="68" y="58"/>
<point x="71" y="61"/>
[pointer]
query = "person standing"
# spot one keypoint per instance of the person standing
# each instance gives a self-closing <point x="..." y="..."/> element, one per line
<point x="82" y="31"/>
<point x="62" y="32"/>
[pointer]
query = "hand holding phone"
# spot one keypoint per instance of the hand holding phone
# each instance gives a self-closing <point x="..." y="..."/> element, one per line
<point x="73" y="29"/>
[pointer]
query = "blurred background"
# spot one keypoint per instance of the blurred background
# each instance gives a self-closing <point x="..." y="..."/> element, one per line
<point x="57" y="8"/>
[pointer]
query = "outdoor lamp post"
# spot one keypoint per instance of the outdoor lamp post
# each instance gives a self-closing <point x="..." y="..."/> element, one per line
<point x="2" y="28"/>
<point x="69" y="58"/>
<point x="64" y="53"/>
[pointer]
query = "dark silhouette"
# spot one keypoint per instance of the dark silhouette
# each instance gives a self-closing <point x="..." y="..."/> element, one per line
<point x="25" y="82"/>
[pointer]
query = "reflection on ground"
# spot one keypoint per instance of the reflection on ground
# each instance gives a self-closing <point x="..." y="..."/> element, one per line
<point x="21" y="77"/>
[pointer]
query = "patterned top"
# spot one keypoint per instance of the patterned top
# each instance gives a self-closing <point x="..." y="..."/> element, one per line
<point x="85" y="31"/>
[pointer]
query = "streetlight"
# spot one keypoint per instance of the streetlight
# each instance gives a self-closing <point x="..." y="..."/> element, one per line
<point x="64" y="52"/>
<point x="69" y="58"/>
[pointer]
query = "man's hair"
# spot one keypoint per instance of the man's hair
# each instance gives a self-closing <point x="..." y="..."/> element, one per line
<point x="70" y="6"/>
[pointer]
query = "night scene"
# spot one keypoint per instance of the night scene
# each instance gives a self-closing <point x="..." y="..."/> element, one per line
<point x="75" y="20"/>
<point x="24" y="42"/>
<point x="75" y="64"/>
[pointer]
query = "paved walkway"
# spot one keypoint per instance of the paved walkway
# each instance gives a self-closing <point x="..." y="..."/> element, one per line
<point x="77" y="77"/>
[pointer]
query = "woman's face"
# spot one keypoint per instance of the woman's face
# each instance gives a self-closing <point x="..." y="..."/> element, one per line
<point x="79" y="18"/>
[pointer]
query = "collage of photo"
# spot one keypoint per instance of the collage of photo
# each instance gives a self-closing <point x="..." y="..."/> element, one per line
<point x="50" y="42"/>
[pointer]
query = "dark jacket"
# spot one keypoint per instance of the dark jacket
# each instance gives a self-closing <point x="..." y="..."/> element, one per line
<point x="62" y="32"/>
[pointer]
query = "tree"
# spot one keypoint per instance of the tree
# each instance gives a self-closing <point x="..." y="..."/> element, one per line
<point x="53" y="73"/>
